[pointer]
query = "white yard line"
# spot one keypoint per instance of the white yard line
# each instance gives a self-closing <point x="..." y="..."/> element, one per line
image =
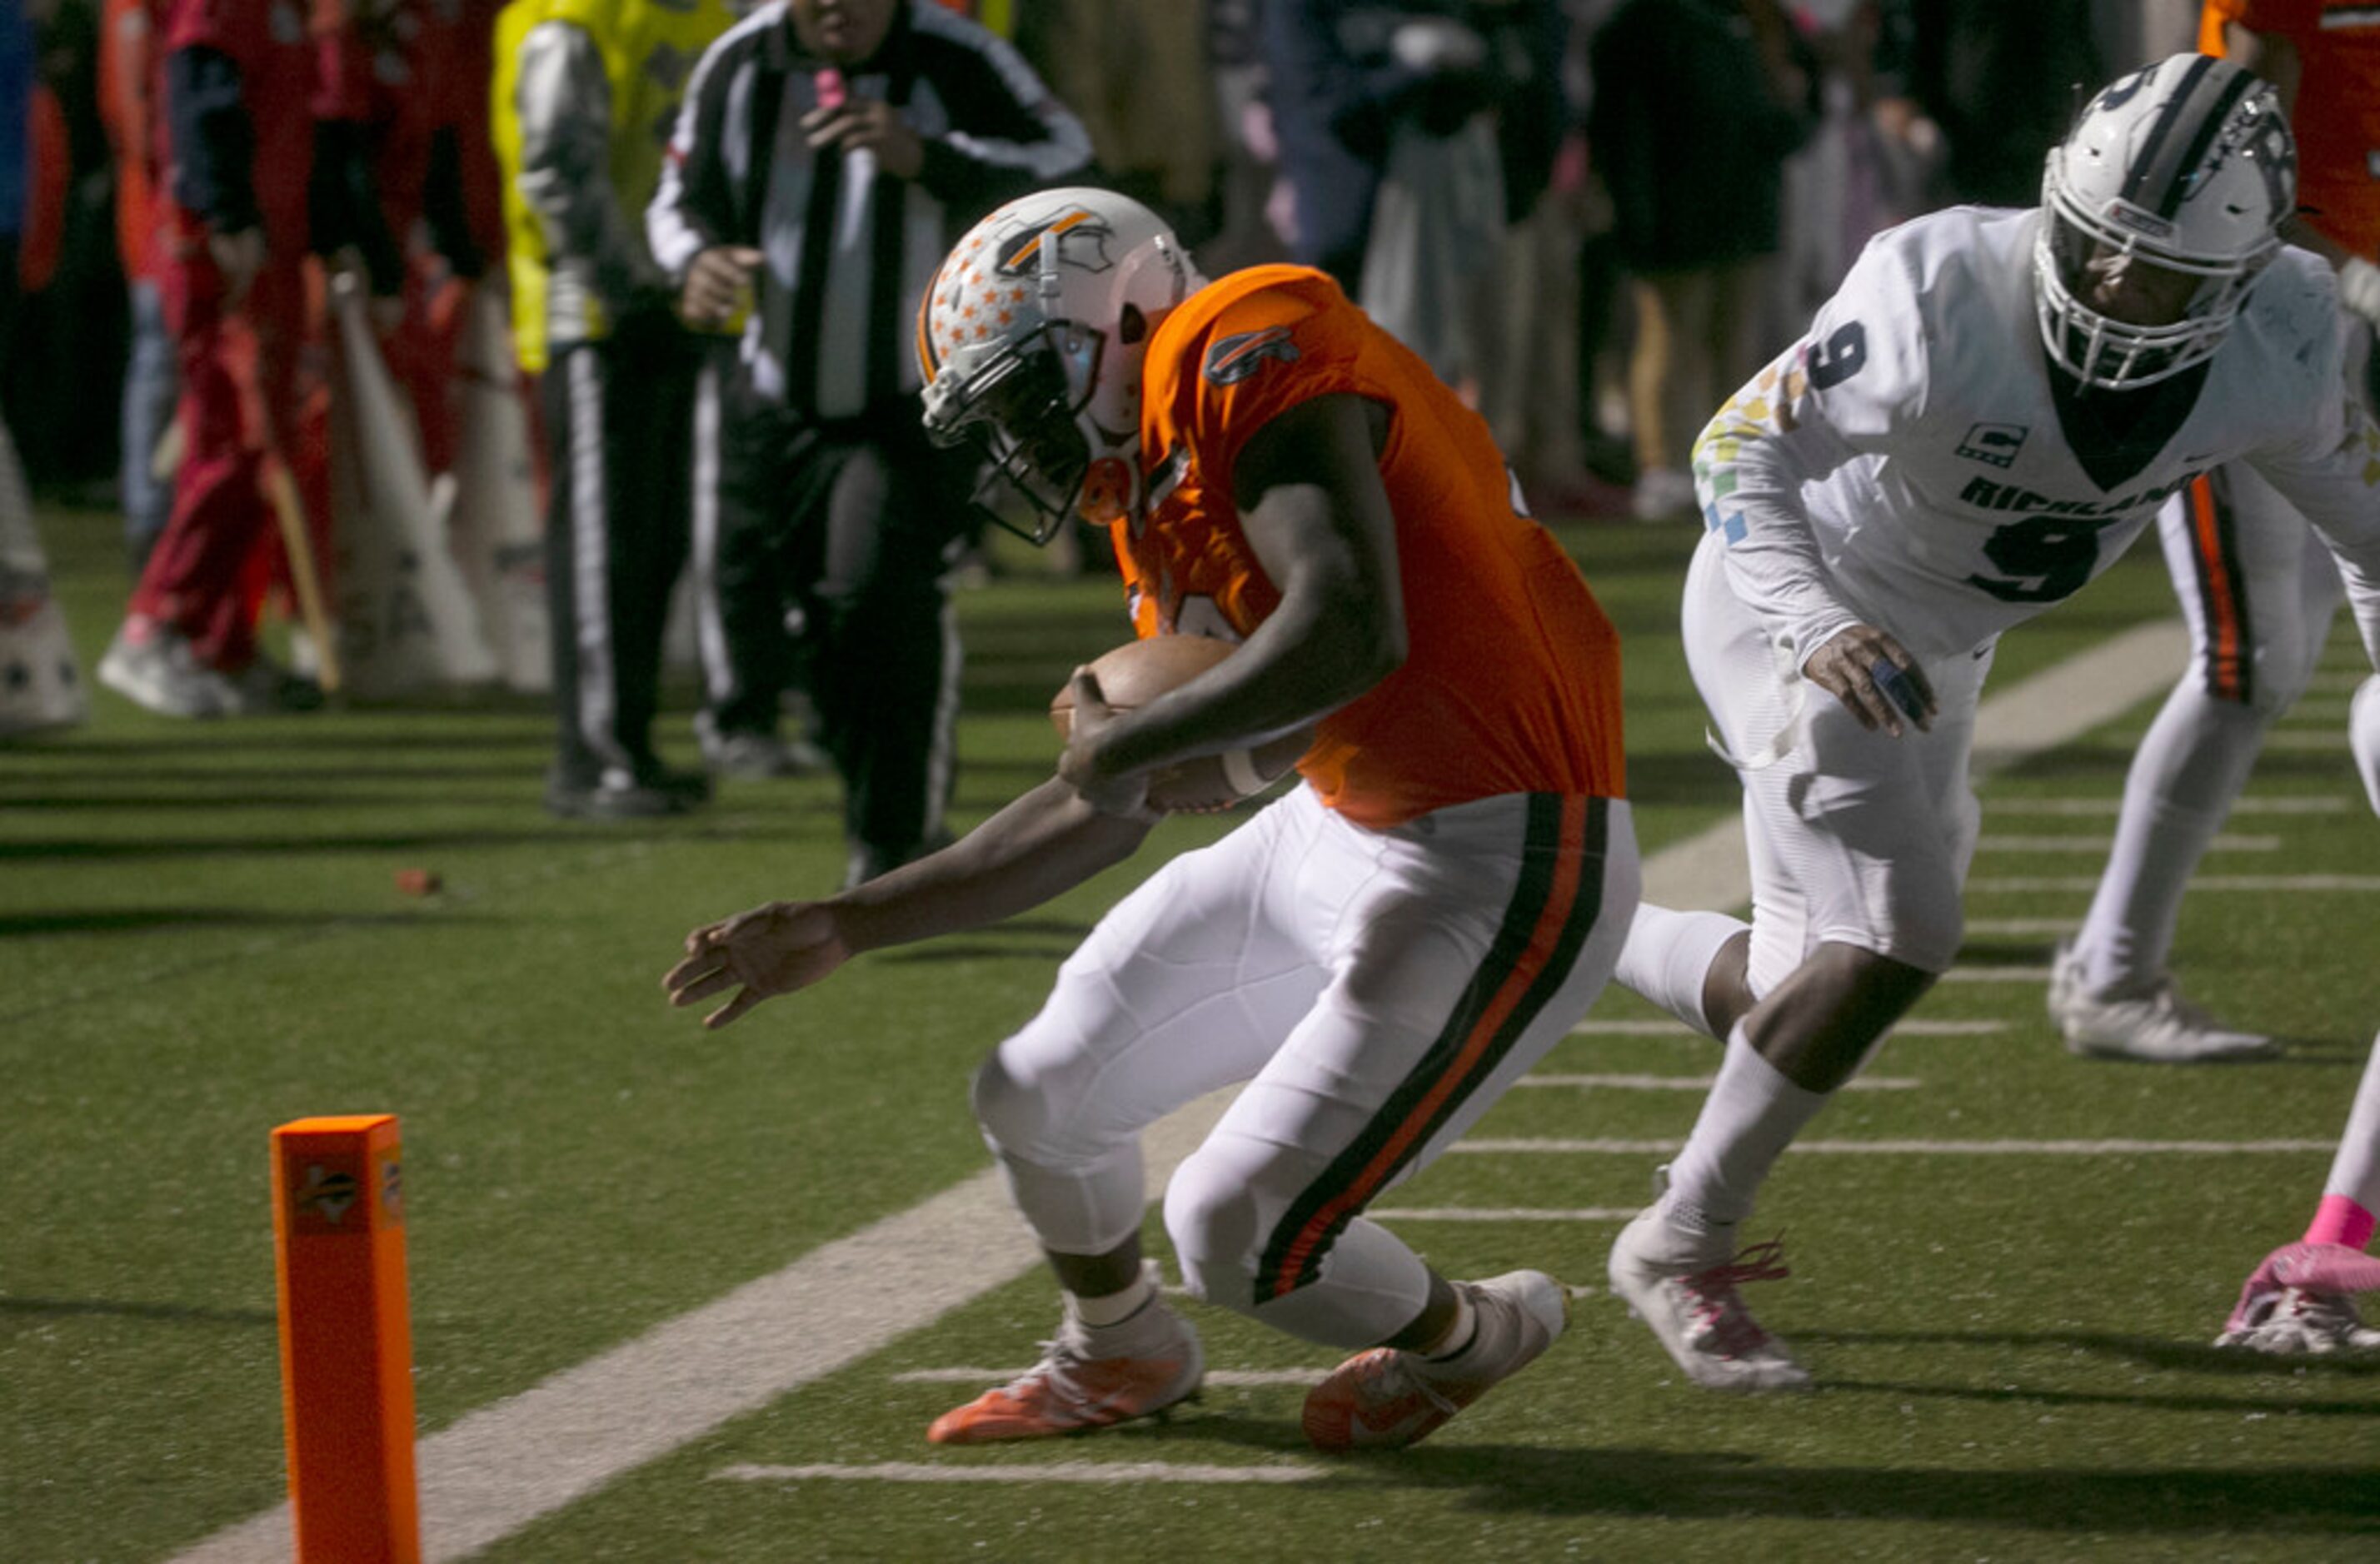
<point x="1541" y="1147"/>
<point x="2014" y="926"/>
<point x="2098" y="845"/>
<point x="2335" y="804"/>
<point x="1133" y="1472"/>
<point x="2200" y="885"/>
<point x="1227" y="1378"/>
<point x="504" y="1466"/>
<point x="1916" y="1027"/>
<point x="1696" y="1083"/>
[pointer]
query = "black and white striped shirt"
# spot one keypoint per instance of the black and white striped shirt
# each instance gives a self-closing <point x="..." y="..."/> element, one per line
<point x="849" y="252"/>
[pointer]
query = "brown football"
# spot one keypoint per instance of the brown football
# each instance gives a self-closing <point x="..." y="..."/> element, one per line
<point x="1137" y="672"/>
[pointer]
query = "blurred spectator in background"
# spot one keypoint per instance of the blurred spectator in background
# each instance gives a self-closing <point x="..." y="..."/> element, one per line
<point x="151" y="384"/>
<point x="826" y="149"/>
<point x="1398" y="161"/>
<point x="1697" y="105"/>
<point x="1873" y="160"/>
<point x="2003" y="79"/>
<point x="236" y="132"/>
<point x="1247" y="148"/>
<point x="40" y="687"/>
<point x="586" y="92"/>
<point x="1136" y="72"/>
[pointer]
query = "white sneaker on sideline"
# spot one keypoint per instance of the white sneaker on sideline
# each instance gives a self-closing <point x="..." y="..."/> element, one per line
<point x="1690" y="1300"/>
<point x="1386" y="1398"/>
<point x="161" y="674"/>
<point x="2156" y="1026"/>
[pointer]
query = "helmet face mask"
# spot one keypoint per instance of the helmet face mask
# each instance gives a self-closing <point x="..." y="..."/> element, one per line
<point x="1018" y="413"/>
<point x="1031" y="340"/>
<point x="2158" y="211"/>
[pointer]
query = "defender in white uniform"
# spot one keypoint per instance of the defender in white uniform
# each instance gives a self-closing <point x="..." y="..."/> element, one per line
<point x="1989" y="411"/>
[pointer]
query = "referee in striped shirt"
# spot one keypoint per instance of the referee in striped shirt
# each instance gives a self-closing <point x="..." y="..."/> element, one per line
<point x="826" y="154"/>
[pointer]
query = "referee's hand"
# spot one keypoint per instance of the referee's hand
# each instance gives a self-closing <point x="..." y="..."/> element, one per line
<point x="718" y="285"/>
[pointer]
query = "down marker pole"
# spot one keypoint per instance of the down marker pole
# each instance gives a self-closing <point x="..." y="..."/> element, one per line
<point x="346" y="1344"/>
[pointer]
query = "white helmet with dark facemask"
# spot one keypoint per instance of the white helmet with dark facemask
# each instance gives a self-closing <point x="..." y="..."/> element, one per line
<point x="2185" y="168"/>
<point x="1031" y="340"/>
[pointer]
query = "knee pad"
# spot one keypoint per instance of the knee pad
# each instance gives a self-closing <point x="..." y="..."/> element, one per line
<point x="1014" y="1114"/>
<point x="1214" y="1223"/>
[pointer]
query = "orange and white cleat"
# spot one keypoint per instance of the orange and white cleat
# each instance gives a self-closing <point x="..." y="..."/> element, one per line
<point x="1386" y="1398"/>
<point x="1087" y="1379"/>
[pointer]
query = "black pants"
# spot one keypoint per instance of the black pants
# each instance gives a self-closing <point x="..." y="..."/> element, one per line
<point x="618" y="422"/>
<point x="850" y="521"/>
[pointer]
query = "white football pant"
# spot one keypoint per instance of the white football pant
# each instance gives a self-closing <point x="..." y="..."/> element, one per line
<point x="1377" y="990"/>
<point x="1854" y="836"/>
<point x="2258" y="589"/>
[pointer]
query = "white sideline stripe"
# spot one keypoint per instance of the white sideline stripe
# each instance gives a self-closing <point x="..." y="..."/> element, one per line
<point x="2200" y="883"/>
<point x="2095" y="845"/>
<point x="504" y="1466"/>
<point x="1698" y="1083"/>
<point x="2310" y="709"/>
<point x="2308" y="740"/>
<point x="1057" y="1471"/>
<point x="1918" y="1027"/>
<point x="2334" y="805"/>
<point x="2017" y="925"/>
<point x="1230" y="1378"/>
<point x="1525" y="1147"/>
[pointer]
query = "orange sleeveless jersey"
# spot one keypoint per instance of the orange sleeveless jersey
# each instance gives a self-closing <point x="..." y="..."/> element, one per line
<point x="2337" y="118"/>
<point x="1512" y="681"/>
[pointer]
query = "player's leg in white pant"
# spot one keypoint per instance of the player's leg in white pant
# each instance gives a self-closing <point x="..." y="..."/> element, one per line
<point x="2258" y="590"/>
<point x="1463" y="947"/>
<point x="2300" y="1299"/>
<point x="1859" y="845"/>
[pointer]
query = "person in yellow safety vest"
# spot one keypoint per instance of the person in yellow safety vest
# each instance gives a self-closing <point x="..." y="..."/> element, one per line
<point x="584" y="97"/>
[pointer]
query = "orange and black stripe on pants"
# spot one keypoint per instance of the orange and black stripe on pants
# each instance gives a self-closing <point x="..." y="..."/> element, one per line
<point x="1553" y="908"/>
<point x="2230" y="670"/>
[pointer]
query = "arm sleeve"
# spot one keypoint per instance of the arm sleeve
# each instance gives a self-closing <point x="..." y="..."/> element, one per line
<point x="213" y="140"/>
<point x="1007" y="136"/>
<point x="693" y="207"/>
<point x="1849" y="387"/>
<point x="566" y="128"/>
<point x="2333" y="477"/>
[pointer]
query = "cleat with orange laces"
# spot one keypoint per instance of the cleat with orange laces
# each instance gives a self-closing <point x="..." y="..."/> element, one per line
<point x="1386" y="1400"/>
<point x="1087" y="1379"/>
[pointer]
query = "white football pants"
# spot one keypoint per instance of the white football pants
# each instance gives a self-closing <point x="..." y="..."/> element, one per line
<point x="2258" y="589"/>
<point x="1854" y="836"/>
<point x="1377" y="990"/>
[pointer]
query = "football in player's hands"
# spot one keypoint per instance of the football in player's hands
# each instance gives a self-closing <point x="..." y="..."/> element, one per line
<point x="1137" y="672"/>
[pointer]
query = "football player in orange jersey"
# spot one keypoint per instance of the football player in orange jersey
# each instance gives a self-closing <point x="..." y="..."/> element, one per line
<point x="1378" y="955"/>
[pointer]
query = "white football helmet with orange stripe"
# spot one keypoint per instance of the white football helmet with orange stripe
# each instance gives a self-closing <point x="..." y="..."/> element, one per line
<point x="1031" y="339"/>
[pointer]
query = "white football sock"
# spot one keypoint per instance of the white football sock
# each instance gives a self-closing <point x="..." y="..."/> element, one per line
<point x="1667" y="956"/>
<point x="1752" y="1115"/>
<point x="2184" y="780"/>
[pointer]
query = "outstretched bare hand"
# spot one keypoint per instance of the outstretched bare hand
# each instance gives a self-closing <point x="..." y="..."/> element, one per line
<point x="1874" y="678"/>
<point x="771" y="950"/>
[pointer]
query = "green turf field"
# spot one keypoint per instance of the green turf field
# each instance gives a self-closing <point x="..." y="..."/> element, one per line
<point x="203" y="937"/>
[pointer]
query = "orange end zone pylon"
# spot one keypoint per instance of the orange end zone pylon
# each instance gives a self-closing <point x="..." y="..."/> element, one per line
<point x="346" y="1344"/>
